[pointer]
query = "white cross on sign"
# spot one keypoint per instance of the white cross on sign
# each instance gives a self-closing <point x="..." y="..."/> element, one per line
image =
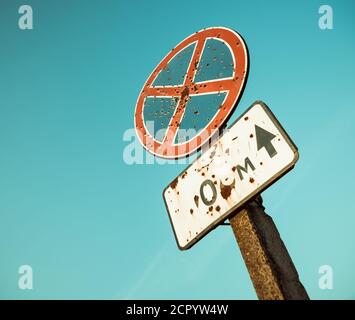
<point x="249" y="157"/>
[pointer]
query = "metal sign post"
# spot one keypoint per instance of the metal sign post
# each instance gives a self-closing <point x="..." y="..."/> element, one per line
<point x="270" y="267"/>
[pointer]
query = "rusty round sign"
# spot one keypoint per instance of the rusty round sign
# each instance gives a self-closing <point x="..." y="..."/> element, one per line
<point x="192" y="93"/>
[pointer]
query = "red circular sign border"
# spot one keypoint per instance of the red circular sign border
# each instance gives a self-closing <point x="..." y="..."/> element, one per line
<point x="240" y="55"/>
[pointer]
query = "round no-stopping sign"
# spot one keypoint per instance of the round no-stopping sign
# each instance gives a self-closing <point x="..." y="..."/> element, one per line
<point x="191" y="93"/>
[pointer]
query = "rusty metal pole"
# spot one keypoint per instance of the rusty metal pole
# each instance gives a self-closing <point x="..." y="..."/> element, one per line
<point x="269" y="264"/>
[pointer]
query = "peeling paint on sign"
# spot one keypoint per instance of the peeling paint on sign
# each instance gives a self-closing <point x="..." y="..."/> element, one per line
<point x="249" y="157"/>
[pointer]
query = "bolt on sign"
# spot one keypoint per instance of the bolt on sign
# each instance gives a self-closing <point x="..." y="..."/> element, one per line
<point x="191" y="93"/>
<point x="252" y="154"/>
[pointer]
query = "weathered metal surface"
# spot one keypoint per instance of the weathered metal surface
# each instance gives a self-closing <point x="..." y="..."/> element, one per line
<point x="192" y="92"/>
<point x="254" y="153"/>
<point x="270" y="267"/>
<point x="255" y="259"/>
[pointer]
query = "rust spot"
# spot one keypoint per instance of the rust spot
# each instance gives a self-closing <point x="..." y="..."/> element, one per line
<point x="215" y="182"/>
<point x="191" y="211"/>
<point x="174" y="183"/>
<point x="196" y="198"/>
<point x="226" y="190"/>
<point x="251" y="180"/>
<point x="227" y="151"/>
<point x="218" y="208"/>
<point x="234" y="168"/>
<point x="210" y="208"/>
<point x="213" y="176"/>
<point x="261" y="163"/>
<point x="246" y="118"/>
<point x="251" y="135"/>
<point x="184" y="175"/>
<point x="203" y="174"/>
<point x="185" y="93"/>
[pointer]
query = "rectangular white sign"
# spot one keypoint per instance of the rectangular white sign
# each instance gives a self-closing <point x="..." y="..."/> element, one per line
<point x="249" y="157"/>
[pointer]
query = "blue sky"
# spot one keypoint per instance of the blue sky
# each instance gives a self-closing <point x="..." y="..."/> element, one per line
<point x="92" y="226"/>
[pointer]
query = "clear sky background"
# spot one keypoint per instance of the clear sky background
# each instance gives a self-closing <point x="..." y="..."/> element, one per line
<point x="92" y="226"/>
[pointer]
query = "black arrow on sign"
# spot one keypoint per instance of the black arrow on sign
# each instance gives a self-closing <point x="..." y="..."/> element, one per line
<point x="263" y="140"/>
